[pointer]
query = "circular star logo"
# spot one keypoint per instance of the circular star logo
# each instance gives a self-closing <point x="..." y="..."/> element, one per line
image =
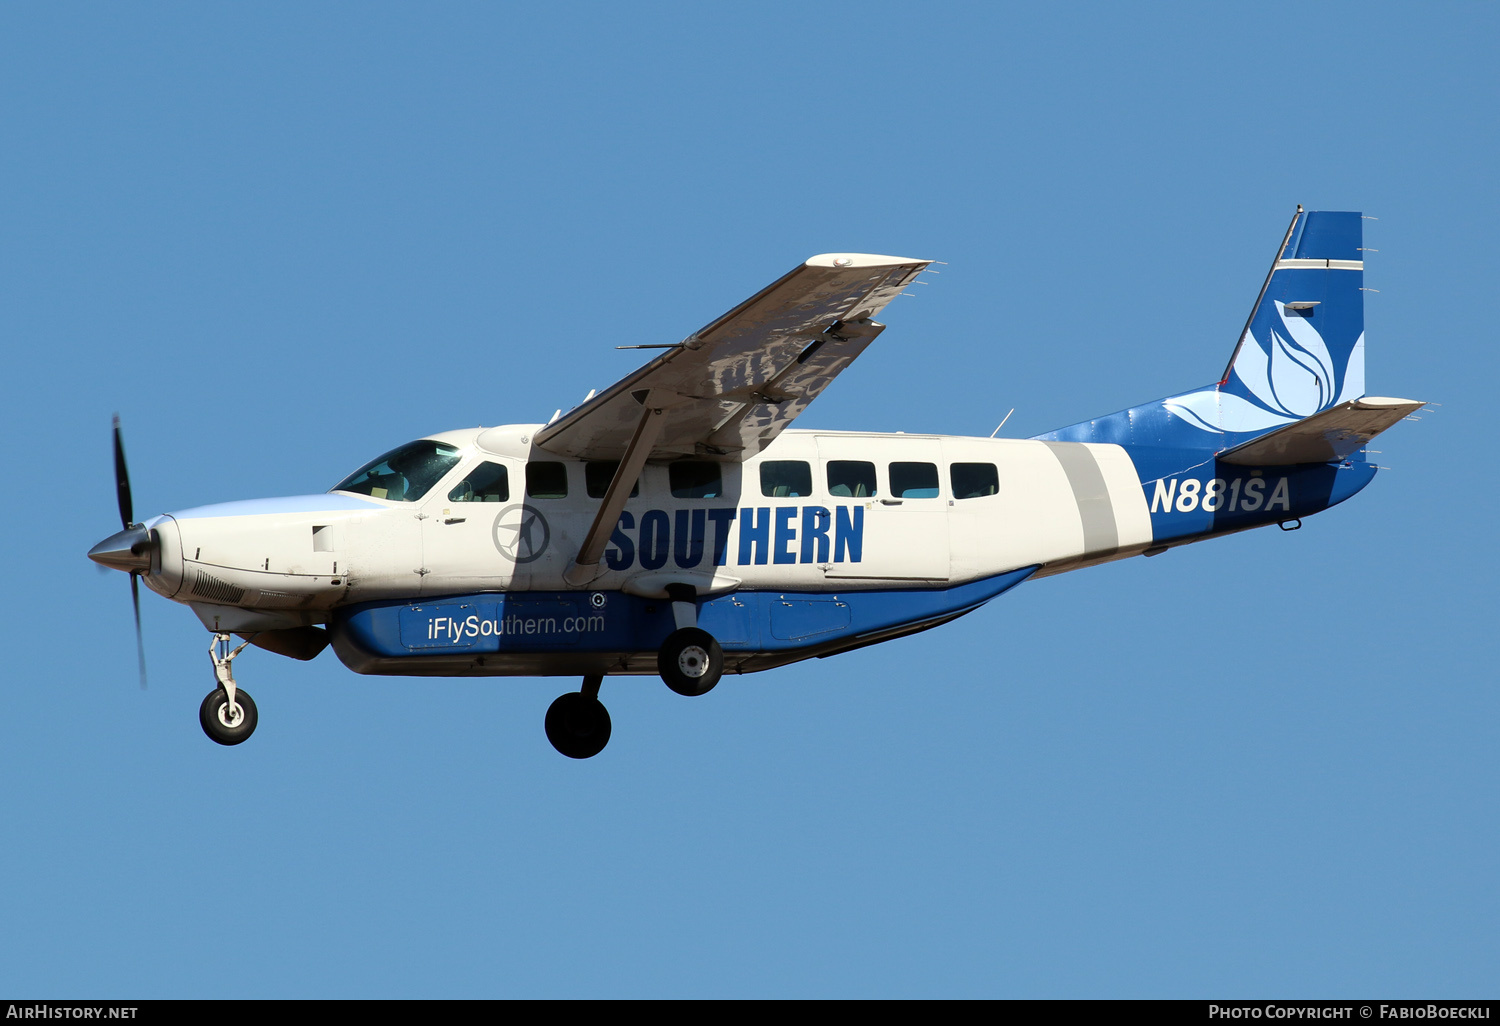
<point x="521" y="533"/>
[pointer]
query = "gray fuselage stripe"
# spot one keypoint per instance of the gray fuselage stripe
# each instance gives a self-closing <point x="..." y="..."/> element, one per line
<point x="1100" y="533"/>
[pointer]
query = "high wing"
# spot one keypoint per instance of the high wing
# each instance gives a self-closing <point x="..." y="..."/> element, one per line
<point x="727" y="390"/>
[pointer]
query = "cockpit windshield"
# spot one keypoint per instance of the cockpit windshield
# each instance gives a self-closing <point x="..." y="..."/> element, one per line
<point x="402" y="475"/>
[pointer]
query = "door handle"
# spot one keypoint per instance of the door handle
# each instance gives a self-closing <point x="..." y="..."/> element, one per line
<point x="455" y="520"/>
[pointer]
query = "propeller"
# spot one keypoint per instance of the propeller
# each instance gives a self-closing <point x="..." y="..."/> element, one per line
<point x="127" y="522"/>
<point x="122" y="481"/>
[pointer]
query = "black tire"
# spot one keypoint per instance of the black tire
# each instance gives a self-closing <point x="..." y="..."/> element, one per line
<point x="578" y="725"/>
<point x="218" y="726"/>
<point x="690" y="661"/>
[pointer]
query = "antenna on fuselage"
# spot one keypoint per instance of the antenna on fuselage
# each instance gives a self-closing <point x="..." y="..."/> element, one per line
<point x="1002" y="423"/>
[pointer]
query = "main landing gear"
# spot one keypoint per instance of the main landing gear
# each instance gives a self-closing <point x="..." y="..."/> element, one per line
<point x="577" y="723"/>
<point x="228" y="714"/>
<point x="690" y="661"/>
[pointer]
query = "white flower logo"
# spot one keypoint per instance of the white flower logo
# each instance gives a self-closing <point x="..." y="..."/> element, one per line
<point x="1294" y="379"/>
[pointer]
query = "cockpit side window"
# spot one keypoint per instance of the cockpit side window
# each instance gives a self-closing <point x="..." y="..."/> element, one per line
<point x="487" y="482"/>
<point x="402" y="475"/>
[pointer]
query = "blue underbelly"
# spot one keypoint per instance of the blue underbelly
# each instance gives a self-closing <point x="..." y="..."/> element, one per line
<point x="614" y="622"/>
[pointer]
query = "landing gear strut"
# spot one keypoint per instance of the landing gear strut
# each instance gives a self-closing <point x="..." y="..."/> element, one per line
<point x="228" y="714"/>
<point x="577" y="723"/>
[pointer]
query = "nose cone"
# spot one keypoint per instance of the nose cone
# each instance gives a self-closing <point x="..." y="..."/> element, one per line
<point x="129" y="550"/>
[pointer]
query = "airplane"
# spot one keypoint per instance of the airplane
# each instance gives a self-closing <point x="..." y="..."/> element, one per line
<point x="674" y="525"/>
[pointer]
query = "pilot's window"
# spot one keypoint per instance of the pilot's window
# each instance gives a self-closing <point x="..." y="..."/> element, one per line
<point x="696" y="479"/>
<point x="974" y="480"/>
<point x="487" y="482"/>
<point x="853" y="479"/>
<point x="547" y="480"/>
<point x="785" y="479"/>
<point x="914" y="480"/>
<point x="597" y="474"/>
<point x="404" y="474"/>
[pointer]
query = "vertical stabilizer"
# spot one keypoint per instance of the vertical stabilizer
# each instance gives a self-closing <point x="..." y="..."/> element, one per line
<point x="1303" y="349"/>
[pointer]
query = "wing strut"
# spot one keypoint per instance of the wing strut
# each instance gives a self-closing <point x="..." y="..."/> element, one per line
<point x="586" y="566"/>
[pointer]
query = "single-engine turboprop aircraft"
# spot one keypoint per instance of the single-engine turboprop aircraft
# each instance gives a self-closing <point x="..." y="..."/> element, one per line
<point x="672" y="524"/>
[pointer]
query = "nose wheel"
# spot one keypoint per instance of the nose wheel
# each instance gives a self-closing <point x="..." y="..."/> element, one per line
<point x="577" y="723"/>
<point x="228" y="714"/>
<point x="225" y="722"/>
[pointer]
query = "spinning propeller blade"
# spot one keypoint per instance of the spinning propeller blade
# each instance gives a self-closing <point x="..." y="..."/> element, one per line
<point x="122" y="480"/>
<point x="140" y="644"/>
<point x="127" y="519"/>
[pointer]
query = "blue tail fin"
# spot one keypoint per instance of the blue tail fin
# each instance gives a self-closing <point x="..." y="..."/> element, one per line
<point x="1302" y="350"/>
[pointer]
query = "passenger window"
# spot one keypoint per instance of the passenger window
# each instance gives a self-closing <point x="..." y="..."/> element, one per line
<point x="547" y="480"/>
<point x="851" y="479"/>
<point x="786" y="479"/>
<point x="914" y="480"/>
<point x="696" y="479"/>
<point x="974" y="480"/>
<point x="487" y="482"/>
<point x="597" y="474"/>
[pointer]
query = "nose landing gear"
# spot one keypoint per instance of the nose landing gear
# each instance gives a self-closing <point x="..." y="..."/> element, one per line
<point x="228" y="714"/>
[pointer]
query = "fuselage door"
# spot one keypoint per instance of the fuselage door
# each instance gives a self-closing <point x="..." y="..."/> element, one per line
<point x="474" y="532"/>
<point x="898" y="484"/>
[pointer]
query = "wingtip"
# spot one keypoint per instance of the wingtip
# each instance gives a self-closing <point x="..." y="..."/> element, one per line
<point x="843" y="261"/>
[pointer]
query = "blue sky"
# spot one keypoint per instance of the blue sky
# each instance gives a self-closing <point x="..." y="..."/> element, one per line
<point x="281" y="239"/>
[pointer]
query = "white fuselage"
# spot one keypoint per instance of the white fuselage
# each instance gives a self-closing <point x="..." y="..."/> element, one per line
<point x="269" y="564"/>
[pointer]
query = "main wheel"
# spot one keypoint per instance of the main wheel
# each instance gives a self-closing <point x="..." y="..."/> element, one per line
<point x="225" y="725"/>
<point x="578" y="725"/>
<point x="690" y="661"/>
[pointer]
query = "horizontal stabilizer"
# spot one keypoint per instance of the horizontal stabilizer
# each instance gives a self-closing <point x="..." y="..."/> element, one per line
<point x="1324" y="437"/>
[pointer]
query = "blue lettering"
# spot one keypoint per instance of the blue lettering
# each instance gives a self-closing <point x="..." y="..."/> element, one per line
<point x="849" y="535"/>
<point x="815" y="524"/>
<point x="682" y="537"/>
<point x="687" y="545"/>
<point x="622" y="551"/>
<point x="785" y="534"/>
<point x="656" y="540"/>
<point x="755" y="537"/>
<point x="722" y="519"/>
